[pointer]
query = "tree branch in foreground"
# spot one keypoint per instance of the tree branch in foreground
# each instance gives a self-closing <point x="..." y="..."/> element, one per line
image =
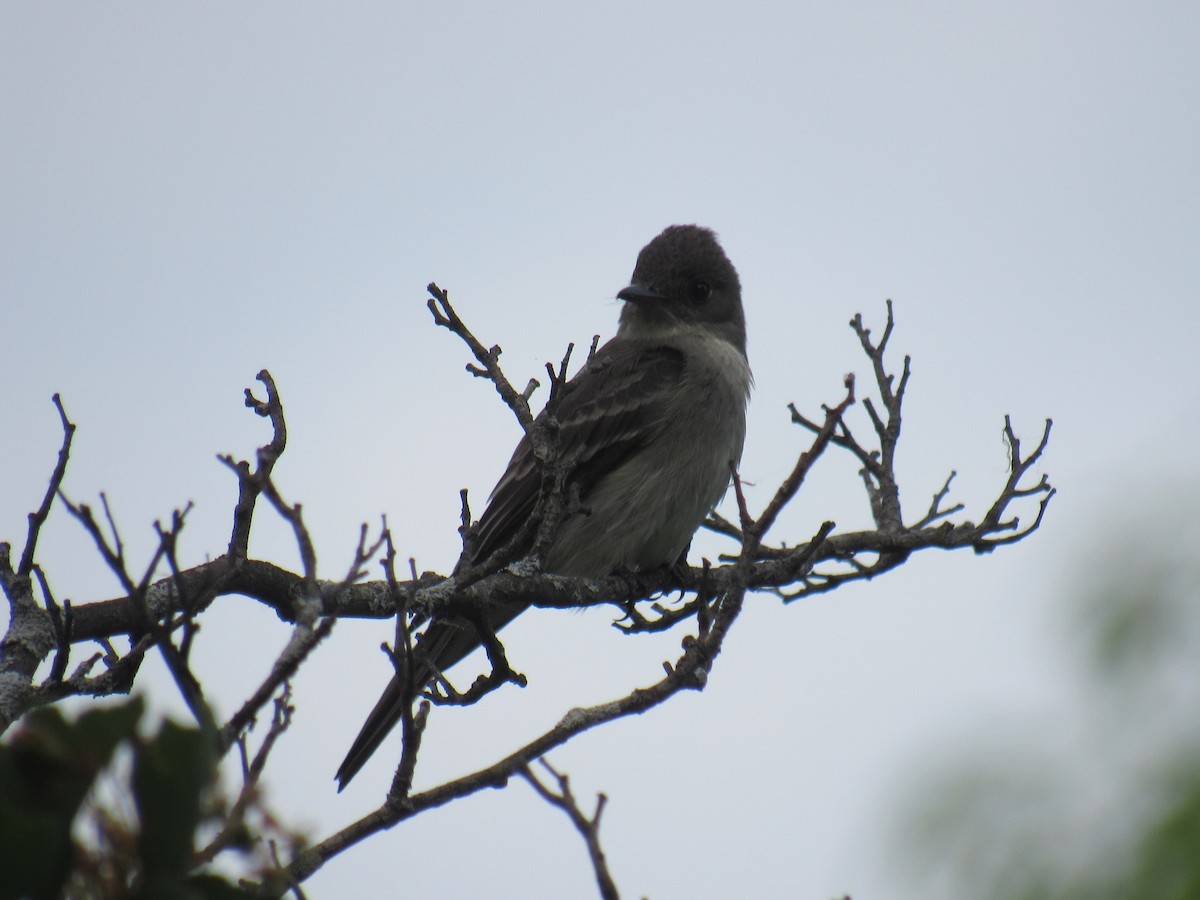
<point x="588" y="828"/>
<point x="161" y="611"/>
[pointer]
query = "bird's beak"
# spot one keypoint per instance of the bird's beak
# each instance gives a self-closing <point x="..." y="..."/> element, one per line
<point x="638" y="293"/>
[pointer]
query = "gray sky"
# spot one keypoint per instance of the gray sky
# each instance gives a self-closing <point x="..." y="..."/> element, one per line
<point x="191" y="194"/>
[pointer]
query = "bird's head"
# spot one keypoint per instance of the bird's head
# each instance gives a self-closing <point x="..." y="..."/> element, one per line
<point x="682" y="278"/>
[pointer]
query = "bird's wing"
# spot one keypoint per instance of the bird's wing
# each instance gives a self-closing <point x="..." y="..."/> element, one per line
<point x="612" y="407"/>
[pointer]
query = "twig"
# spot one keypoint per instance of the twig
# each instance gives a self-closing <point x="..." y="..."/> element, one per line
<point x="412" y="727"/>
<point x="305" y="638"/>
<point x="38" y="518"/>
<point x="935" y="507"/>
<point x="445" y="316"/>
<point x="252" y="770"/>
<point x="787" y="490"/>
<point x="159" y="631"/>
<point x="993" y="522"/>
<point x="62" y="622"/>
<point x="588" y="828"/>
<point x="250" y="483"/>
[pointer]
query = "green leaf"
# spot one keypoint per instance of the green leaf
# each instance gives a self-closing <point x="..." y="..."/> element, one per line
<point x="170" y="773"/>
<point x="46" y="772"/>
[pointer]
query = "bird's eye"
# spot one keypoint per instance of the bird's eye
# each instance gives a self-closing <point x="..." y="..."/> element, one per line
<point x="700" y="291"/>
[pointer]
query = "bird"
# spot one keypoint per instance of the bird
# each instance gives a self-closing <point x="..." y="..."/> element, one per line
<point x="655" y="422"/>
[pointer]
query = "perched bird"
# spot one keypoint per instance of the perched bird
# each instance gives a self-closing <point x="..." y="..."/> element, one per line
<point x="654" y="421"/>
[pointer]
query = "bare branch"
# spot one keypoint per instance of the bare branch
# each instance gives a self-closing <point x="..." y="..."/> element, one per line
<point x="250" y="483"/>
<point x="443" y="693"/>
<point x="62" y="621"/>
<point x="38" y="518"/>
<point x="465" y="532"/>
<point x="688" y="673"/>
<point x="163" y="612"/>
<point x="445" y="316"/>
<point x="234" y="828"/>
<point x="559" y="378"/>
<point x="791" y="484"/>
<point x="305" y="638"/>
<point x="303" y="641"/>
<point x="412" y="727"/>
<point x="588" y="828"/>
<point x="158" y="630"/>
<point x="412" y="730"/>
<point x="935" y="507"/>
<point x="884" y="493"/>
<point x="1018" y="466"/>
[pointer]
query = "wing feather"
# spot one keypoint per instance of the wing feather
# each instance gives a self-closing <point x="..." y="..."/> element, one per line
<point x="610" y="409"/>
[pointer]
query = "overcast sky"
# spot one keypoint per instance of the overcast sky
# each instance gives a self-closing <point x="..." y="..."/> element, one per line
<point x="189" y="194"/>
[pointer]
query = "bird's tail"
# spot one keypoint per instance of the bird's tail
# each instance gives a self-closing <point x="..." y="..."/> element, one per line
<point x="444" y="643"/>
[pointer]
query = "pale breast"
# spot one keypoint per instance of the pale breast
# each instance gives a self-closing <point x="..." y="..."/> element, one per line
<point x="645" y="512"/>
